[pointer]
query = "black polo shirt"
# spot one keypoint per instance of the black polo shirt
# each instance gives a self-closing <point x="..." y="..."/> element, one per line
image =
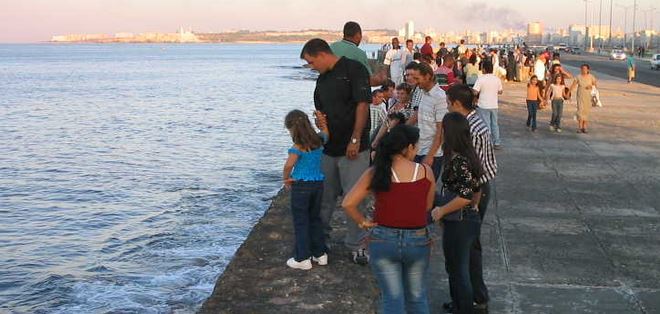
<point x="337" y="94"/>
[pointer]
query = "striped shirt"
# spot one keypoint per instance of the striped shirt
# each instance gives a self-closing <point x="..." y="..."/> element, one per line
<point x="416" y="97"/>
<point x="483" y="146"/>
<point x="378" y="115"/>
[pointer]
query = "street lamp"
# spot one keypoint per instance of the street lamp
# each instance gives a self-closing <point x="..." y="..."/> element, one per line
<point x="625" y="22"/>
<point x="611" y="7"/>
<point x="651" y="10"/>
<point x="600" y="26"/>
<point x="586" y="2"/>
<point x="632" y="44"/>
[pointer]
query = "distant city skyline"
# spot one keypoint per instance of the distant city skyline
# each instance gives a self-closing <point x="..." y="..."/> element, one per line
<point x="38" y="20"/>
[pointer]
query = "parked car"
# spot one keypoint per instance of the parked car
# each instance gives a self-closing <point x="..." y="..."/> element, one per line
<point x="574" y="50"/>
<point x="655" y="61"/>
<point x="617" y="55"/>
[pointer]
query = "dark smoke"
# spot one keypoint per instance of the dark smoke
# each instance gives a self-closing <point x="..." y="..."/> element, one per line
<point x="498" y="17"/>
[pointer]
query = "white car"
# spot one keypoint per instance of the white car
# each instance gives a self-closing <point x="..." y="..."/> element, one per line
<point x="655" y="61"/>
<point x="617" y="55"/>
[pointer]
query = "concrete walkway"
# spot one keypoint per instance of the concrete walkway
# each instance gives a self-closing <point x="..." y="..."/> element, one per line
<point x="574" y="225"/>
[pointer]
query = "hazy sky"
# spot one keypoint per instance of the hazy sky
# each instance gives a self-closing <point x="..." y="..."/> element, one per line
<point x="38" y="20"/>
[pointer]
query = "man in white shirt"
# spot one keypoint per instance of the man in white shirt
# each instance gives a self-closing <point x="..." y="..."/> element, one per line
<point x="539" y="71"/>
<point x="462" y="48"/>
<point x="395" y="59"/>
<point x="495" y="61"/>
<point x="409" y="52"/>
<point x="488" y="87"/>
<point x="432" y="108"/>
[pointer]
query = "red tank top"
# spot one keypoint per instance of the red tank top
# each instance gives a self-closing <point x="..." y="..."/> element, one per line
<point x="404" y="205"/>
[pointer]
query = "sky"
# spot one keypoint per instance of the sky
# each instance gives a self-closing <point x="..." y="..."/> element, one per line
<point x="38" y="20"/>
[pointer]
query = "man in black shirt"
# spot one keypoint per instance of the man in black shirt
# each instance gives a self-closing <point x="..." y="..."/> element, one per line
<point x="342" y="95"/>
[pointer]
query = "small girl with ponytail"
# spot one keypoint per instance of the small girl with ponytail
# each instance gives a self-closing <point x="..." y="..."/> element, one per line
<point x="303" y="176"/>
<point x="399" y="243"/>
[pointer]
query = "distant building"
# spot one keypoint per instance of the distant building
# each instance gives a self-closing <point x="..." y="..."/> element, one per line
<point x="410" y="30"/>
<point x="534" y="33"/>
<point x="576" y="34"/>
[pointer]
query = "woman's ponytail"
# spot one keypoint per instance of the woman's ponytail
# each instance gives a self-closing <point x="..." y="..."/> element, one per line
<point x="393" y="143"/>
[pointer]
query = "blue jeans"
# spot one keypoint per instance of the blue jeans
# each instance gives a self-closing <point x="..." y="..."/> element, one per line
<point x="436" y="167"/>
<point x="557" y="110"/>
<point x="532" y="107"/>
<point x="306" y="211"/>
<point x="457" y="240"/>
<point x="400" y="261"/>
<point x="490" y="118"/>
<point x="479" y="289"/>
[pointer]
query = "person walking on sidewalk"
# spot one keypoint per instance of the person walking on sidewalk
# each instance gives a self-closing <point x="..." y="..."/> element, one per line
<point x="540" y="71"/>
<point x="488" y="87"/>
<point x="533" y="99"/>
<point x="632" y="69"/>
<point x="461" y="99"/>
<point x="302" y="174"/>
<point x="584" y="82"/>
<point x="557" y="93"/>
<point x="399" y="240"/>
<point x="471" y="71"/>
<point x="342" y="95"/>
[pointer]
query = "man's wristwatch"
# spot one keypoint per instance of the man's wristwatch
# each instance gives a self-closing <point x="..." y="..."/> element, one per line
<point x="354" y="140"/>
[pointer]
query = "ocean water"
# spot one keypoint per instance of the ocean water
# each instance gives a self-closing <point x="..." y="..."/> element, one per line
<point x="130" y="174"/>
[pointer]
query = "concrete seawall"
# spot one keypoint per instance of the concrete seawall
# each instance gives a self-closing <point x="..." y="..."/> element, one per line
<point x="573" y="226"/>
<point x="258" y="281"/>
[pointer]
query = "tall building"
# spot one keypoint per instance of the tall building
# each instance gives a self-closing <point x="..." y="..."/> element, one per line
<point x="534" y="33"/>
<point x="410" y="30"/>
<point x="578" y="32"/>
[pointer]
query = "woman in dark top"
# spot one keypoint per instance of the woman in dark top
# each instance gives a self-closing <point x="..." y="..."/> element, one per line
<point x="510" y="67"/>
<point x="399" y="242"/>
<point x="460" y="180"/>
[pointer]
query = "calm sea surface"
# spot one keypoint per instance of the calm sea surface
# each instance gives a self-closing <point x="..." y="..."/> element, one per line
<point x="130" y="174"/>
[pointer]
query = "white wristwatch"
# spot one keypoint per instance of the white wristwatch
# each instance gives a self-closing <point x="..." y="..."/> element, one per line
<point x="354" y="140"/>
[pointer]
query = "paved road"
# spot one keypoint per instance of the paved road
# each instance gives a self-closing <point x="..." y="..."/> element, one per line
<point x="615" y="68"/>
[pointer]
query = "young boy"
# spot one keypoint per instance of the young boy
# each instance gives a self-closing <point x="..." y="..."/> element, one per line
<point x="377" y="112"/>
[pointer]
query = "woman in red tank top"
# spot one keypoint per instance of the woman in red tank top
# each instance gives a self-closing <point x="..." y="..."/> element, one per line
<point x="399" y="241"/>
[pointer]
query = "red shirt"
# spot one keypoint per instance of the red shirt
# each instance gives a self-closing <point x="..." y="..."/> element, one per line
<point x="451" y="78"/>
<point x="404" y="205"/>
<point x="426" y="50"/>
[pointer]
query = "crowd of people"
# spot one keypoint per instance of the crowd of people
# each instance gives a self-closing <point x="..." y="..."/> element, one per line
<point x="422" y="145"/>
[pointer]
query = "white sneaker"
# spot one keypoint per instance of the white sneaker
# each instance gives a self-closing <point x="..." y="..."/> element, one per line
<point x="321" y="260"/>
<point x="304" y="265"/>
